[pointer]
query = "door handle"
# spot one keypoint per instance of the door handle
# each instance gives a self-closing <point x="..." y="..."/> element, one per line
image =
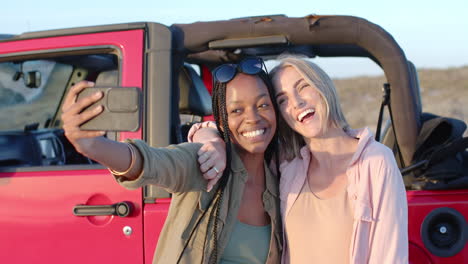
<point x="121" y="209"/>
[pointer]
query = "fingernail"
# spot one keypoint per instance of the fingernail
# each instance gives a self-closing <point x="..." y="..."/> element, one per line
<point x="209" y="188"/>
<point x="98" y="109"/>
<point x="90" y="83"/>
<point x="97" y="95"/>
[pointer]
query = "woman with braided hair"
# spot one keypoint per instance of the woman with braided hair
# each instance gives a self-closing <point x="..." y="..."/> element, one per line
<point x="236" y="220"/>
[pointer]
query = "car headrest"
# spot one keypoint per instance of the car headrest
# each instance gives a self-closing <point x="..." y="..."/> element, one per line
<point x="108" y="78"/>
<point x="194" y="97"/>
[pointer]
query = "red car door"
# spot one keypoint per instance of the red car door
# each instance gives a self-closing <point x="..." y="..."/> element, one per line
<point x="39" y="200"/>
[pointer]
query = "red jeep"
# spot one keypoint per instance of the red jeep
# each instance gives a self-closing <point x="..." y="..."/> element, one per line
<point x="57" y="206"/>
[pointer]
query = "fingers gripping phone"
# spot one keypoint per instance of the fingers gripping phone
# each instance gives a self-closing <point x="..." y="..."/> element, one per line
<point x="121" y="109"/>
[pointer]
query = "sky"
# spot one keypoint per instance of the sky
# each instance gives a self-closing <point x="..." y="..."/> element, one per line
<point x="433" y="34"/>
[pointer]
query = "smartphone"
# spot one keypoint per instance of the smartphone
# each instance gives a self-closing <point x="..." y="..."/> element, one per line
<point x="121" y="109"/>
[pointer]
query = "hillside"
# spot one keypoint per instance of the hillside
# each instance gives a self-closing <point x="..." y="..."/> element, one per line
<point x="444" y="92"/>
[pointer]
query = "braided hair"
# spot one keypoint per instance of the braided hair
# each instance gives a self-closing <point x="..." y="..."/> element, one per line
<point x="221" y="119"/>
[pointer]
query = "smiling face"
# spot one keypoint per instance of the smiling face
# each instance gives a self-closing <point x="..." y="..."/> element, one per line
<point x="251" y="116"/>
<point x="300" y="103"/>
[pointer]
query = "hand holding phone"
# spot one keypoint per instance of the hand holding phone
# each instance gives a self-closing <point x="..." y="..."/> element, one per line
<point x="121" y="109"/>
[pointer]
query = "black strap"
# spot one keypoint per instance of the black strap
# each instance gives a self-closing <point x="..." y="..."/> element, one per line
<point x="386" y="102"/>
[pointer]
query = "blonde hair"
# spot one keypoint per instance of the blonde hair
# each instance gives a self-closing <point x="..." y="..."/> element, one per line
<point x="290" y="141"/>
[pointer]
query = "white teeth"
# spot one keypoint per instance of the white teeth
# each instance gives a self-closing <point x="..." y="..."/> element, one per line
<point x="303" y="114"/>
<point x="255" y="133"/>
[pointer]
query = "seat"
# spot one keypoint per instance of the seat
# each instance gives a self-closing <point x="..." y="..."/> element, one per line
<point x="194" y="100"/>
<point x="108" y="78"/>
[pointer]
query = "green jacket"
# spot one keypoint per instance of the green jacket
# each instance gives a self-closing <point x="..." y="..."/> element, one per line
<point x="176" y="169"/>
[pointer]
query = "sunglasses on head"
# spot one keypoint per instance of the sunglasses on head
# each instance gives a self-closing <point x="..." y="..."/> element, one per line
<point x="226" y="72"/>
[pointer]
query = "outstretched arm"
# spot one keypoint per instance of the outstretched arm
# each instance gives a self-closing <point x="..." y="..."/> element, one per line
<point x="134" y="163"/>
<point x="92" y="144"/>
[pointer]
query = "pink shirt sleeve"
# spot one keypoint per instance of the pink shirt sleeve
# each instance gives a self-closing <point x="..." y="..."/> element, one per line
<point x="389" y="243"/>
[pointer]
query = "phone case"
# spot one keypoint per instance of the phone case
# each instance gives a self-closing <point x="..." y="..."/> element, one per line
<point x="121" y="109"/>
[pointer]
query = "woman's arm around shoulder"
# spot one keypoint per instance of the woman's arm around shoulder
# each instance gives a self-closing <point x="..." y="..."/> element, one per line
<point x="212" y="155"/>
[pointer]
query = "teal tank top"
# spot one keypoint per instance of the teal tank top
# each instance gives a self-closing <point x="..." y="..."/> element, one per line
<point x="247" y="245"/>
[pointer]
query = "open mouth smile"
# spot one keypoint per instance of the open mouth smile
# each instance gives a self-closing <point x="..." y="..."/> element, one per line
<point x="306" y="114"/>
<point x="253" y="134"/>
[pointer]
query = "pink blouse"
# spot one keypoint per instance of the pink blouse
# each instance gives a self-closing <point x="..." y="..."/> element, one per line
<point x="376" y="189"/>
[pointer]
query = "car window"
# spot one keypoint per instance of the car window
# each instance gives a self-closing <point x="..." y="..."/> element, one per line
<point x="30" y="92"/>
<point x="31" y="95"/>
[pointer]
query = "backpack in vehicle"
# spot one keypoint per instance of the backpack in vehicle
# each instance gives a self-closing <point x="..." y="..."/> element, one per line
<point x="440" y="161"/>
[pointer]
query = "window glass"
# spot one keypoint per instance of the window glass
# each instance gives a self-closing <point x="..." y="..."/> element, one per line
<point x="30" y="92"/>
<point x="31" y="95"/>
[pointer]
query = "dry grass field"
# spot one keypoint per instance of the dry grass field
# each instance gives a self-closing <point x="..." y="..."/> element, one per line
<point x="444" y="92"/>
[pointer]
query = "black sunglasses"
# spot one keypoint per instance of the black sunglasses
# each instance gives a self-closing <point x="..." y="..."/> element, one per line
<point x="226" y="72"/>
